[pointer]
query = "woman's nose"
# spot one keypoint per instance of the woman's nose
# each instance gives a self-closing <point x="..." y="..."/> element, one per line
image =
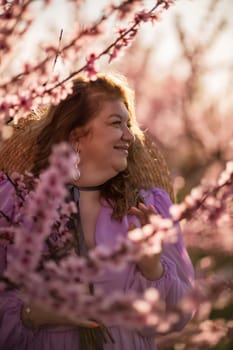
<point x="128" y="135"/>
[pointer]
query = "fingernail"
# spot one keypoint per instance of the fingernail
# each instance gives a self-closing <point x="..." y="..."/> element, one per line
<point x="95" y="325"/>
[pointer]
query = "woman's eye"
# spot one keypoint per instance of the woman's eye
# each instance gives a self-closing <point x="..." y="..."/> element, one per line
<point x="118" y="122"/>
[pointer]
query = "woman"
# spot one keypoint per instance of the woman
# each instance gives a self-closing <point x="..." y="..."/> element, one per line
<point x="115" y="189"/>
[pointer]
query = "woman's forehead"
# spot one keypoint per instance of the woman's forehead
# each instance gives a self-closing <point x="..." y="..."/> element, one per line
<point x="114" y="108"/>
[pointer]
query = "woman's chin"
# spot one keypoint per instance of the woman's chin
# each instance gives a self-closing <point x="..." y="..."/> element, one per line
<point x="120" y="167"/>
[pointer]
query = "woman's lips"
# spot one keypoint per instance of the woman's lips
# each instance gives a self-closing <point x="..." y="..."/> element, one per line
<point x="122" y="149"/>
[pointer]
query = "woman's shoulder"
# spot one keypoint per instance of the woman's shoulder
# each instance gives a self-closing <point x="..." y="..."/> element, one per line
<point x="5" y="183"/>
<point x="7" y="192"/>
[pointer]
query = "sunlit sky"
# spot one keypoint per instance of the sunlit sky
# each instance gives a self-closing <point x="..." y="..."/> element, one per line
<point x="162" y="36"/>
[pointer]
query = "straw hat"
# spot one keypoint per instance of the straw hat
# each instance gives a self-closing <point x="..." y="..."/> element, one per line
<point x="150" y="169"/>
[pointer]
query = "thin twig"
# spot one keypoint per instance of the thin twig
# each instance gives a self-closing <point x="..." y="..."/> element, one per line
<point x="105" y="51"/>
<point x="58" y="49"/>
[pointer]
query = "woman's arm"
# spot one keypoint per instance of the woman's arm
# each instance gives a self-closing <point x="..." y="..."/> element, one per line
<point x="177" y="278"/>
<point x="149" y="265"/>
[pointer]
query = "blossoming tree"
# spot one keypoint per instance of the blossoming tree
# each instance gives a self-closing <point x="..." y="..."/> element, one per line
<point x="206" y="212"/>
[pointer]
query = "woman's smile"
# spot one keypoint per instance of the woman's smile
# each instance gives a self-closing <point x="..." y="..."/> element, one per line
<point x="123" y="148"/>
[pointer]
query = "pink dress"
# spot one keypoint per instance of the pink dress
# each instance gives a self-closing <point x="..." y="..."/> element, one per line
<point x="175" y="282"/>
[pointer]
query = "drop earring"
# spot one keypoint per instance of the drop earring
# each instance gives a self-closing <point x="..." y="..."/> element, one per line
<point x="76" y="171"/>
<point x="73" y="146"/>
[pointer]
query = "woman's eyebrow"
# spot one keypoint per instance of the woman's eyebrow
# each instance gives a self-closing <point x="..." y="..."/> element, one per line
<point x="119" y="116"/>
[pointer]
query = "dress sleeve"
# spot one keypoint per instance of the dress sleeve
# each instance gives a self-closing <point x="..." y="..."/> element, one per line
<point x="6" y="200"/>
<point x="178" y="276"/>
<point x="13" y="334"/>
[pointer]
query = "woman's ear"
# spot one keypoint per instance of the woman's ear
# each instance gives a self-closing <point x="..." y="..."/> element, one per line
<point x="77" y="137"/>
<point x="74" y="140"/>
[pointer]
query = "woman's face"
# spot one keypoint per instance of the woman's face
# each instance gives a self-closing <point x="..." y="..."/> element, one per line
<point x="105" y="147"/>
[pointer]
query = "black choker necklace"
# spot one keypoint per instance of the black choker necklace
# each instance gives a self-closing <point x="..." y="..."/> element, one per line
<point x="90" y="188"/>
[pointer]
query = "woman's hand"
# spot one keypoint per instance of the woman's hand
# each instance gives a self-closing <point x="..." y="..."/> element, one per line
<point x="150" y="266"/>
<point x="143" y="212"/>
<point x="34" y="316"/>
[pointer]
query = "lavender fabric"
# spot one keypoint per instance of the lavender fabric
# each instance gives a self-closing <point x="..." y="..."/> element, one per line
<point x="177" y="279"/>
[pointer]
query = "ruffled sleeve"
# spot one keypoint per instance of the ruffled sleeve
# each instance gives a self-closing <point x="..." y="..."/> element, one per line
<point x="6" y="200"/>
<point x="6" y="213"/>
<point x="13" y="335"/>
<point x="178" y="274"/>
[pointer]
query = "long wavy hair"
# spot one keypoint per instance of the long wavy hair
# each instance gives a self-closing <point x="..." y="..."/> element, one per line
<point x="82" y="105"/>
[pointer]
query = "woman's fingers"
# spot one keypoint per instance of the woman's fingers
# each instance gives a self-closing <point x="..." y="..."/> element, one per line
<point x="88" y="324"/>
<point x="140" y="215"/>
<point x="132" y="226"/>
<point x="143" y="212"/>
<point x="147" y="210"/>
